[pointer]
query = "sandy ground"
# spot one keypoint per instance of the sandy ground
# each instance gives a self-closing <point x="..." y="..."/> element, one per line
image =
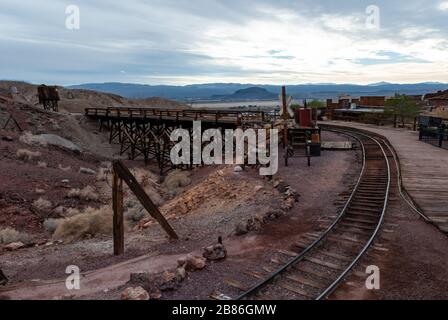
<point x="216" y="217"/>
<point x="413" y="263"/>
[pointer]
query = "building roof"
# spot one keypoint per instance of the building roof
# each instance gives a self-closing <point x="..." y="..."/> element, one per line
<point x="440" y="95"/>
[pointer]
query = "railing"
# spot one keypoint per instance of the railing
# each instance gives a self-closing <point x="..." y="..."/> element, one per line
<point x="189" y="115"/>
<point x="435" y="136"/>
<point x="434" y="130"/>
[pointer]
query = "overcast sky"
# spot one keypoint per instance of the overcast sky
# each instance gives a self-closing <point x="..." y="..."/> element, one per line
<point x="200" y="41"/>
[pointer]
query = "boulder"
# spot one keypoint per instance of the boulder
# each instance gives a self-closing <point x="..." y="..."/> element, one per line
<point x="254" y="224"/>
<point x="282" y="187"/>
<point x="169" y="282"/>
<point x="181" y="274"/>
<point x="238" y="169"/>
<point x="241" y="229"/>
<point x="140" y="278"/>
<point x="292" y="193"/>
<point x="192" y="263"/>
<point x="288" y="204"/>
<point x="274" y="214"/>
<point x="87" y="171"/>
<point x="147" y="282"/>
<point x="137" y="293"/>
<point x="216" y="252"/>
<point x="3" y="279"/>
<point x="14" y="246"/>
<point x="55" y="140"/>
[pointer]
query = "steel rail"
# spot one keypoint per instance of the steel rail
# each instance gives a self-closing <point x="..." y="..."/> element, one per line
<point x="400" y="185"/>
<point x="342" y="276"/>
<point x="302" y="255"/>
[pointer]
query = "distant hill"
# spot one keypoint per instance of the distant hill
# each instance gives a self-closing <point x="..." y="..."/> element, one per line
<point x="76" y="100"/>
<point x="304" y="91"/>
<point x="252" y="93"/>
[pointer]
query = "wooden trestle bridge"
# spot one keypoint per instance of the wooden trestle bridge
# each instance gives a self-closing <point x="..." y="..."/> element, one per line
<point x="144" y="132"/>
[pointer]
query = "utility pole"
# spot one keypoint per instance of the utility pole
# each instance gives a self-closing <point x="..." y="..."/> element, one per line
<point x="285" y="117"/>
<point x="285" y="104"/>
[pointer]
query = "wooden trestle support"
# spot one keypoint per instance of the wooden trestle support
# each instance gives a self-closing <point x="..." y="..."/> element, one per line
<point x="146" y="134"/>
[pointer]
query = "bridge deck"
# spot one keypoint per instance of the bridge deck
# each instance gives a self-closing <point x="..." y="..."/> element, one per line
<point x="175" y="115"/>
<point x="424" y="169"/>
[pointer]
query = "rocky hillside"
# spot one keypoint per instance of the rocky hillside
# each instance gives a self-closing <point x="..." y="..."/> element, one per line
<point x="75" y="100"/>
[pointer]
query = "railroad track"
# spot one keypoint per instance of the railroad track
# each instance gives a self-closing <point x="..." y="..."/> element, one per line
<point x="321" y="267"/>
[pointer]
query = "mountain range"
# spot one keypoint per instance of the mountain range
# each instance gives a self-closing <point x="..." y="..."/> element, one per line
<point x="232" y="91"/>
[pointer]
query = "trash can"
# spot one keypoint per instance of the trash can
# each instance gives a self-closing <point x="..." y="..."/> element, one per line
<point x="315" y="149"/>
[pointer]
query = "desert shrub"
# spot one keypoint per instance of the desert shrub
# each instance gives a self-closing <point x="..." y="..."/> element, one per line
<point x="177" y="179"/>
<point x="70" y="212"/>
<point x="66" y="212"/>
<point x="154" y="195"/>
<point x="51" y="225"/>
<point x="30" y="139"/>
<point x="106" y="164"/>
<point x="134" y="211"/>
<point x="91" y="222"/>
<point x="42" y="164"/>
<point x="27" y="155"/>
<point x="55" y="125"/>
<point x="39" y="191"/>
<point x="149" y="182"/>
<point x="60" y="210"/>
<point x="88" y="194"/>
<point x="10" y="235"/>
<point x="102" y="174"/>
<point x="145" y="177"/>
<point x="41" y="205"/>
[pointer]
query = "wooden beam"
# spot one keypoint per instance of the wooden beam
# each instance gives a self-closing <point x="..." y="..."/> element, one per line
<point x="284" y="104"/>
<point x="124" y="173"/>
<point x="118" y="219"/>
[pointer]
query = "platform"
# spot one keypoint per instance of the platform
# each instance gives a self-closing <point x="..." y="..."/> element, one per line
<point x="424" y="170"/>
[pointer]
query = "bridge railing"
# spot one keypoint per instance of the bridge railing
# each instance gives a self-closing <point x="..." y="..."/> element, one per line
<point x="178" y="115"/>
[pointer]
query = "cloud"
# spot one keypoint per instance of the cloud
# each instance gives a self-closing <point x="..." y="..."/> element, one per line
<point x="182" y="42"/>
<point x="443" y="6"/>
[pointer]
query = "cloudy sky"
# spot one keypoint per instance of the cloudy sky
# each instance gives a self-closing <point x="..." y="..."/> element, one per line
<point x="248" y="41"/>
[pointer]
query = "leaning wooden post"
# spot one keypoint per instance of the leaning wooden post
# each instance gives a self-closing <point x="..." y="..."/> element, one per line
<point x="118" y="219"/>
<point x="123" y="173"/>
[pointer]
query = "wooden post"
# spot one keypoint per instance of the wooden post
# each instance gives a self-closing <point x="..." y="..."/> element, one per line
<point x="285" y="118"/>
<point x="118" y="219"/>
<point x="144" y="199"/>
<point x="284" y="104"/>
